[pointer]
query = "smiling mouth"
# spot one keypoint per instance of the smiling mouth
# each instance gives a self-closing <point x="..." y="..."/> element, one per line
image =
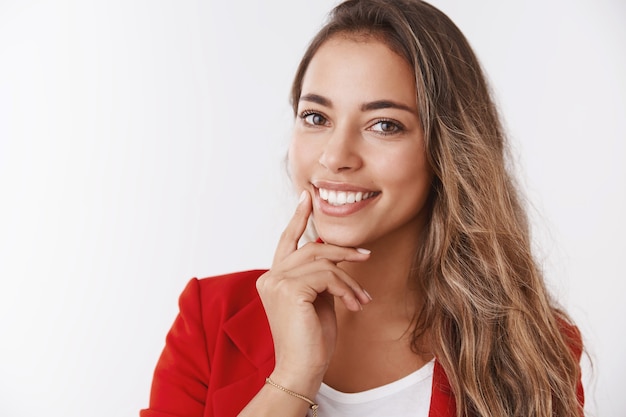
<point x="340" y="198"/>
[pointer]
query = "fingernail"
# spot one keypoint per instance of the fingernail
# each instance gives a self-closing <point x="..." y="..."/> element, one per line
<point x="302" y="197"/>
<point x="368" y="295"/>
<point x="363" y="251"/>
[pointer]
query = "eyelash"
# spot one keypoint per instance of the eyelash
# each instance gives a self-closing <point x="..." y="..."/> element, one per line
<point x="398" y="127"/>
<point x="306" y="113"/>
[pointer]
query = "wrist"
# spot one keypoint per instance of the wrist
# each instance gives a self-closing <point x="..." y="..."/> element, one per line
<point x="313" y="406"/>
<point x="305" y="385"/>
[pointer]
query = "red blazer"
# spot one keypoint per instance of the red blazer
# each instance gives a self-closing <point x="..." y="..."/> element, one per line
<point x="220" y="350"/>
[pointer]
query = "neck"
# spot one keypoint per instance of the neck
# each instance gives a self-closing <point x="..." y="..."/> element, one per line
<point x="386" y="276"/>
<point x="385" y="326"/>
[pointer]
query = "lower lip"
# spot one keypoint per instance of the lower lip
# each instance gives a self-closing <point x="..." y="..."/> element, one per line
<point x="342" y="210"/>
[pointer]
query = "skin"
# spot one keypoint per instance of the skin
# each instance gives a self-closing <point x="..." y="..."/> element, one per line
<point x="337" y="143"/>
<point x="324" y="324"/>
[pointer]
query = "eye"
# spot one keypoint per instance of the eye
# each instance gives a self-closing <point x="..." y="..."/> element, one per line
<point x="313" y="118"/>
<point x="386" y="127"/>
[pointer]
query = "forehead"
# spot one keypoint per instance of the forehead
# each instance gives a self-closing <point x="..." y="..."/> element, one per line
<point x="359" y="68"/>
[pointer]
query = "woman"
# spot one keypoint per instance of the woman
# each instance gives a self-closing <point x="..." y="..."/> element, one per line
<point x="421" y="296"/>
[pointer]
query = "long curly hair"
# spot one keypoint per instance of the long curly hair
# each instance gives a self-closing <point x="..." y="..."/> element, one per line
<point x="507" y="350"/>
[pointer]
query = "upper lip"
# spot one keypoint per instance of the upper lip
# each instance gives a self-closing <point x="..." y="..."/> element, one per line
<point x="339" y="186"/>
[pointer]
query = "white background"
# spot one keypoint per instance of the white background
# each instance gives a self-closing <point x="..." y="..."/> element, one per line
<point x="143" y="142"/>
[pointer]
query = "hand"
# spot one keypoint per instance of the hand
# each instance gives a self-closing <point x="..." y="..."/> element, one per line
<point x="298" y="294"/>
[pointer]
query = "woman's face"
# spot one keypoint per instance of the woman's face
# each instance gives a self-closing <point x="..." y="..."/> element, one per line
<point x="358" y="145"/>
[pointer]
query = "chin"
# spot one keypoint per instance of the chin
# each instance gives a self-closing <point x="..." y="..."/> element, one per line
<point x="335" y="236"/>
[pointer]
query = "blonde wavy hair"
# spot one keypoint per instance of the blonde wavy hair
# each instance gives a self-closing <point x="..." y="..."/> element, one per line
<point x="507" y="350"/>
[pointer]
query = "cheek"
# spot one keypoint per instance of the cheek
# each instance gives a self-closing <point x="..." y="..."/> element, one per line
<point x="410" y="173"/>
<point x="299" y="158"/>
<point x="402" y="166"/>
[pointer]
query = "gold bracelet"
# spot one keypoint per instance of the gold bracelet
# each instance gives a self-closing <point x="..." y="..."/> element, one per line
<point x="312" y="405"/>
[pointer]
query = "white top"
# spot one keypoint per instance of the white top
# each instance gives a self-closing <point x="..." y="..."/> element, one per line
<point x="408" y="396"/>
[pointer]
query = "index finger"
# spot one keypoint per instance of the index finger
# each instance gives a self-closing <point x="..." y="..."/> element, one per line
<point x="288" y="242"/>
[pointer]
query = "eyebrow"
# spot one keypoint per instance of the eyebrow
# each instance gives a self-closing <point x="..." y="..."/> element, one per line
<point x="372" y="105"/>
<point x="315" y="98"/>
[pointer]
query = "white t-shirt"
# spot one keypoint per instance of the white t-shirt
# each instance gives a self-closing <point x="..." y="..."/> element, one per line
<point x="408" y="396"/>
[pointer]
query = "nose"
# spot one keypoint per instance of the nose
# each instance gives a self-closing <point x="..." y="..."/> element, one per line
<point x="341" y="151"/>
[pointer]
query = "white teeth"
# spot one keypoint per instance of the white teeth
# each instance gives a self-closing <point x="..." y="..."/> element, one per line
<point x="339" y="198"/>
